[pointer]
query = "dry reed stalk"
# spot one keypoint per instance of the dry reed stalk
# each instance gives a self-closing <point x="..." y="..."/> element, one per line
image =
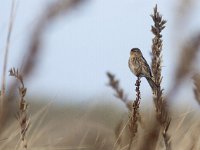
<point x="162" y="115"/>
<point x="119" y="92"/>
<point x="6" y="51"/>
<point x="22" y="115"/>
<point x="196" y="89"/>
<point x="133" y="108"/>
<point x="133" y="125"/>
<point x="159" y="25"/>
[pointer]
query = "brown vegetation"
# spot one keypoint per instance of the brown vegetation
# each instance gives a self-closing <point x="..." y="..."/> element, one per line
<point x="100" y="127"/>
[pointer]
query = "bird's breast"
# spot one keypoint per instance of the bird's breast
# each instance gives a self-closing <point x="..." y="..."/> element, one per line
<point x="134" y="67"/>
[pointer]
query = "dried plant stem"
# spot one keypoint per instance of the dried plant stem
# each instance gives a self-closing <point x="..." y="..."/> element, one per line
<point x="162" y="114"/>
<point x="159" y="25"/>
<point x="134" y="109"/>
<point x="22" y="115"/>
<point x="166" y="137"/>
<point x="10" y="28"/>
<point x="133" y="125"/>
<point x="119" y="92"/>
<point x="160" y="103"/>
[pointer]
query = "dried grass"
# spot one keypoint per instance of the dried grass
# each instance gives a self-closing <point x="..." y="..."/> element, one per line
<point x="10" y="28"/>
<point x="6" y="51"/>
<point x="119" y="92"/>
<point x="162" y="114"/>
<point x="22" y="115"/>
<point x="54" y="10"/>
<point x="135" y="115"/>
<point x="91" y="135"/>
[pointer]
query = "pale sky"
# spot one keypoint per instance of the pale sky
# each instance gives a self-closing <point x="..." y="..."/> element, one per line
<point x="94" y="38"/>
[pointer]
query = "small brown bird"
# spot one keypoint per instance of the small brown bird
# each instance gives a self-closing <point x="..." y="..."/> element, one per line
<point x="139" y="66"/>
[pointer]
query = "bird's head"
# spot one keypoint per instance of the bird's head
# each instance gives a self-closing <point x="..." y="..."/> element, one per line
<point x="135" y="52"/>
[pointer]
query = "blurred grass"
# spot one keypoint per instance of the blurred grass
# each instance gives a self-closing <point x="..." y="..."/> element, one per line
<point x="82" y="125"/>
<point x="67" y="124"/>
<point x="102" y="123"/>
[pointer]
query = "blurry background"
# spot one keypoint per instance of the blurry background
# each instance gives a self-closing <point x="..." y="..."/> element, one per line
<point x="93" y="38"/>
<point x="69" y="101"/>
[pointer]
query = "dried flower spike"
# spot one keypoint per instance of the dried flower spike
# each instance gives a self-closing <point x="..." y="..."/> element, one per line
<point x="119" y="92"/>
<point x="22" y="116"/>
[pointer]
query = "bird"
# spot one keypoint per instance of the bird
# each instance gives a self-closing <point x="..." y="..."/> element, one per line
<point x="140" y="68"/>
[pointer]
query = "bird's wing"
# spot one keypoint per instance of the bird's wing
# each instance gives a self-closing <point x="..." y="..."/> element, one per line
<point x="146" y="67"/>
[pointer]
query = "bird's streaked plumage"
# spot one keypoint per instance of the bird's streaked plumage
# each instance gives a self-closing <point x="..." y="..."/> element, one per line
<point x="139" y="66"/>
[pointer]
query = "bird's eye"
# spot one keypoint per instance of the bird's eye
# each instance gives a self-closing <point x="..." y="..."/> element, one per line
<point x="133" y="50"/>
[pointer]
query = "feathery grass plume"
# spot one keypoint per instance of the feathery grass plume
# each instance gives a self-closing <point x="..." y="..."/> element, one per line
<point x="160" y="104"/>
<point x="196" y="89"/>
<point x="162" y="115"/>
<point x="22" y="115"/>
<point x="133" y="108"/>
<point x="119" y="92"/>
<point x="159" y="25"/>
<point x="133" y="125"/>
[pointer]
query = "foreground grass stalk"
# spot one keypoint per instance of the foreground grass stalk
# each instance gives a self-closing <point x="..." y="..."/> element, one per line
<point x="160" y="103"/>
<point x="22" y="115"/>
<point x="134" y="109"/>
<point x="119" y="92"/>
<point x="162" y="115"/>
<point x="10" y="28"/>
<point x="133" y="126"/>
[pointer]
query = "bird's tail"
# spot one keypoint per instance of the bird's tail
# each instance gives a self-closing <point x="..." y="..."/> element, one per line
<point x="152" y="84"/>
